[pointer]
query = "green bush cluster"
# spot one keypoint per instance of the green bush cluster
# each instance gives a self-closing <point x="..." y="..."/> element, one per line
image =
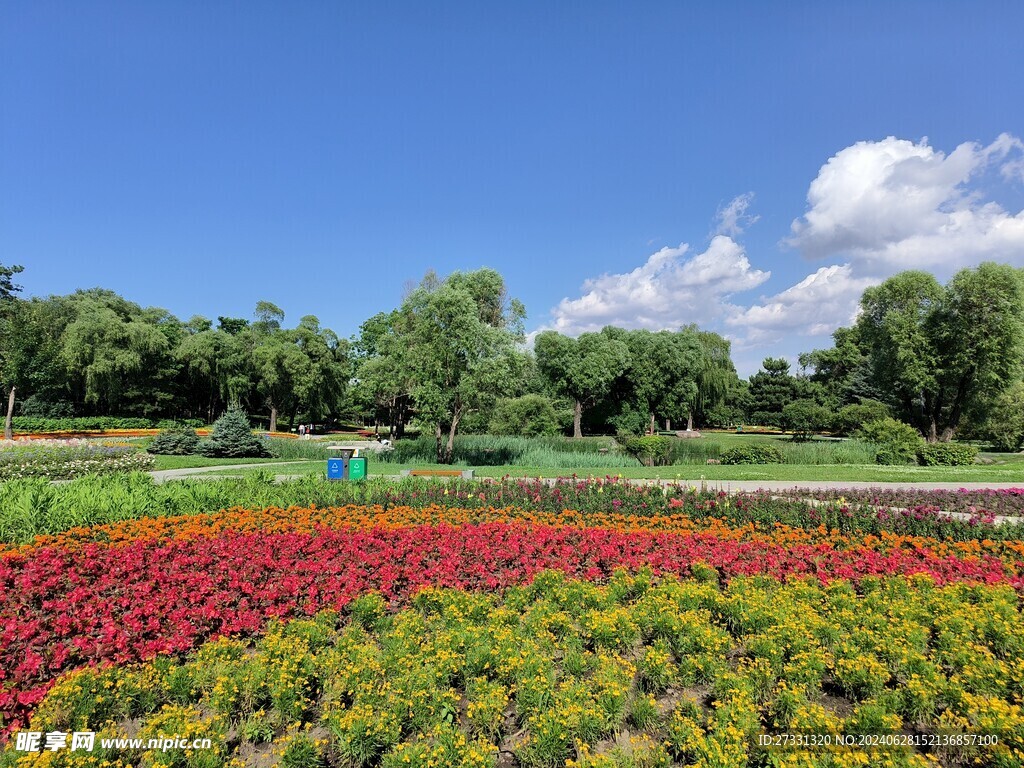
<point x="851" y="418"/>
<point x="80" y="424"/>
<point x="529" y="416"/>
<point x="947" y="454"/>
<point x="650" y="450"/>
<point x="177" y="441"/>
<point x="898" y="443"/>
<point x="755" y="453"/>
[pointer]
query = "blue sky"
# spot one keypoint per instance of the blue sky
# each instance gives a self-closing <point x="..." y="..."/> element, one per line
<point x="641" y="164"/>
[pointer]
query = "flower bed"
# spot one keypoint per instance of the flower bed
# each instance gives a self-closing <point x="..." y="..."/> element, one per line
<point x="28" y="509"/>
<point x="636" y="673"/>
<point x="980" y="502"/>
<point x="166" y="585"/>
<point x="65" y="460"/>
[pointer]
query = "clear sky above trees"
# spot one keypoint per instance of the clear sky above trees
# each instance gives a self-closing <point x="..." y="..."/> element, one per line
<point x="195" y="156"/>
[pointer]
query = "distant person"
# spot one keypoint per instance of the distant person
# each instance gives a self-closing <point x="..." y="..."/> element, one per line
<point x="302" y="430"/>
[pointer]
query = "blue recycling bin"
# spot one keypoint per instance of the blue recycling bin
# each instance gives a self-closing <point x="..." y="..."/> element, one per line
<point x="336" y="469"/>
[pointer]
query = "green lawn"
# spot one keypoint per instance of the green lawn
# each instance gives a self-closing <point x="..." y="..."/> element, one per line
<point x="1009" y="470"/>
<point x="180" y="462"/>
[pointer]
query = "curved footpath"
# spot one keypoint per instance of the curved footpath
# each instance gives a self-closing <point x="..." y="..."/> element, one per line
<point x="163" y="475"/>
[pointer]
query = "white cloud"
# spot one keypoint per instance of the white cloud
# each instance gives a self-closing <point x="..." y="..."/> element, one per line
<point x="892" y="204"/>
<point x="668" y="291"/>
<point x="874" y="209"/>
<point x="816" y="306"/>
<point x="733" y="219"/>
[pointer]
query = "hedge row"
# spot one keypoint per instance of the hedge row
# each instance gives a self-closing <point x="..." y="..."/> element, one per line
<point x="94" y="424"/>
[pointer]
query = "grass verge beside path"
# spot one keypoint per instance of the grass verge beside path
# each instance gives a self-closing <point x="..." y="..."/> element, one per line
<point x="185" y="462"/>
<point x="1011" y="472"/>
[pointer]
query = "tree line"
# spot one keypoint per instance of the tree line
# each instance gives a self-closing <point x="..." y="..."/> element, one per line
<point x="453" y="358"/>
<point x="96" y="353"/>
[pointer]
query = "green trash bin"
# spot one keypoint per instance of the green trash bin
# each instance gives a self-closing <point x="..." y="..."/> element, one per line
<point x="357" y="468"/>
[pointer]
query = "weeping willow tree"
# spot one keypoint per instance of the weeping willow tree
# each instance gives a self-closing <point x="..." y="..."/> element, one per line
<point x="716" y="374"/>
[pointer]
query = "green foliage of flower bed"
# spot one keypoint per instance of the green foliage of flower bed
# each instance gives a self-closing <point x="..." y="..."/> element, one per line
<point x="756" y="453"/>
<point x="29" y="508"/>
<point x="65" y="462"/>
<point x="632" y="673"/>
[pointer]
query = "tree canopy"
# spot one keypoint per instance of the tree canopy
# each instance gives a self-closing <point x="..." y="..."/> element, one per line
<point x="582" y="369"/>
<point x="455" y="343"/>
<point x="939" y="350"/>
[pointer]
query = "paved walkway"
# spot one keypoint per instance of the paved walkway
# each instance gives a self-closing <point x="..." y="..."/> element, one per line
<point x="726" y="485"/>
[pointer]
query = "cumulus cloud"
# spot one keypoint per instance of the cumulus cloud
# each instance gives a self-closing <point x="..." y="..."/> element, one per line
<point x="893" y="204"/>
<point x="874" y="209"/>
<point x="817" y="305"/>
<point x="733" y="219"/>
<point x="669" y="290"/>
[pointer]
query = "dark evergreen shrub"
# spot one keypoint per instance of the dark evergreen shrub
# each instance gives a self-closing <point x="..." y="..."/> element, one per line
<point x="232" y="438"/>
<point x="179" y="441"/>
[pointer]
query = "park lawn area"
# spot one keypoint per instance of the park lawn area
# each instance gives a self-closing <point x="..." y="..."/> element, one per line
<point x="1009" y="470"/>
<point x="182" y="462"/>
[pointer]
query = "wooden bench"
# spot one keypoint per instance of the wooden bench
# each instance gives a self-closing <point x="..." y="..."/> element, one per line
<point x="465" y="474"/>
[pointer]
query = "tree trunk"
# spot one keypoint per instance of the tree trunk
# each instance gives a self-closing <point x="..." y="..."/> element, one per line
<point x="8" y="429"/>
<point x="577" y="417"/>
<point x="689" y="421"/>
<point x="653" y="426"/>
<point x="449" y="449"/>
<point x="273" y="418"/>
<point x="933" y="430"/>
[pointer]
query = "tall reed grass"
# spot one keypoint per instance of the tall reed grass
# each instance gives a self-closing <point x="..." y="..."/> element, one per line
<point x="494" y="451"/>
<point x="699" y="450"/>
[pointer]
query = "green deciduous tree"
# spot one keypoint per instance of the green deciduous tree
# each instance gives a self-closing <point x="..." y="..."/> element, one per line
<point x="8" y="306"/>
<point x="842" y="371"/>
<point x="716" y="374"/>
<point x="459" y="340"/>
<point x="803" y="418"/>
<point x="943" y="351"/>
<point x="662" y="372"/>
<point x="383" y="388"/>
<point x="109" y="347"/>
<point x="1004" y="425"/>
<point x="529" y="416"/>
<point x="582" y="369"/>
